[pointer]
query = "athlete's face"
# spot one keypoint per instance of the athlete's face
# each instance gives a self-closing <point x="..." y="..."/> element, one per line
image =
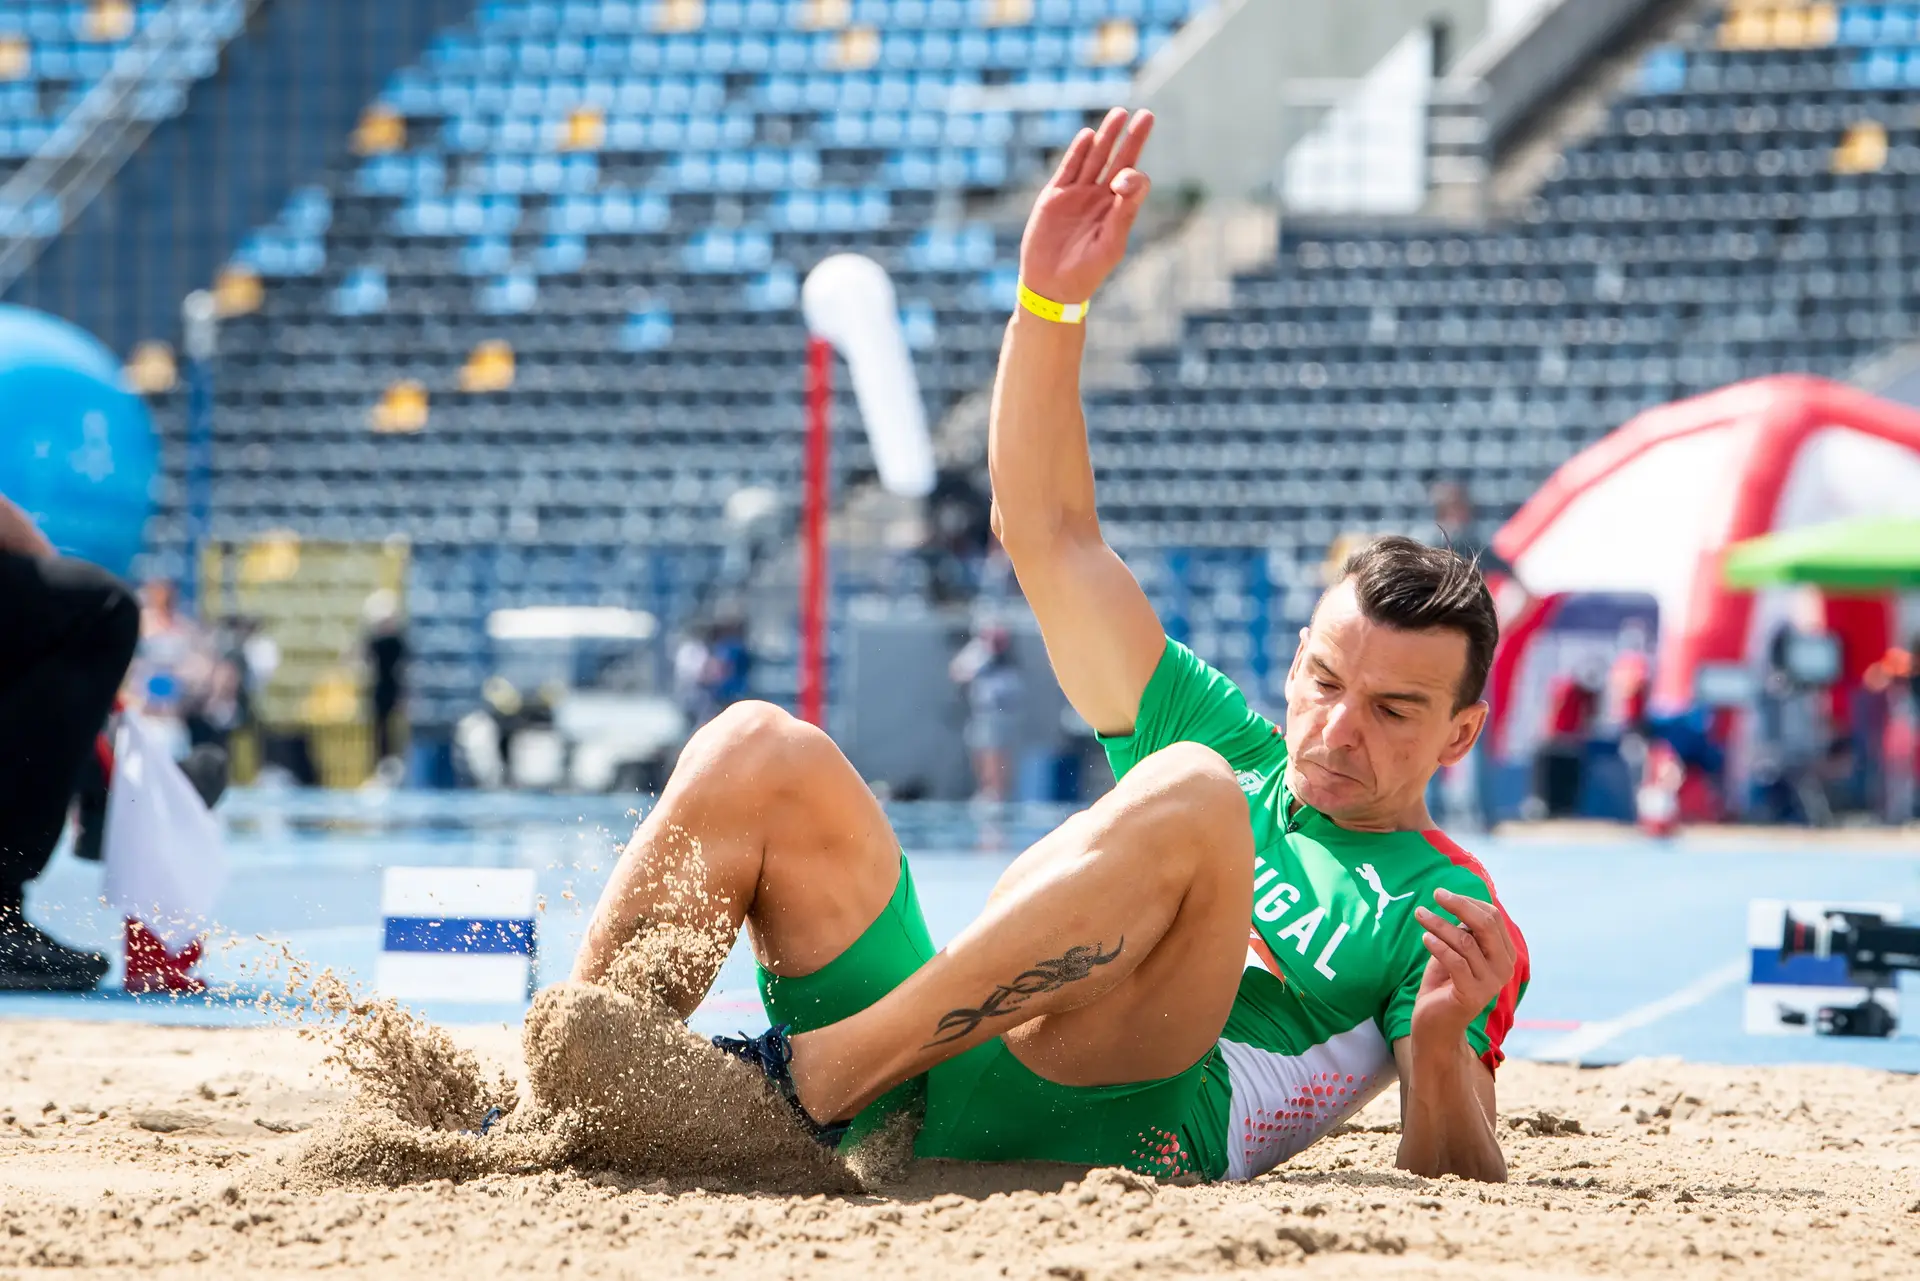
<point x="1370" y="715"/>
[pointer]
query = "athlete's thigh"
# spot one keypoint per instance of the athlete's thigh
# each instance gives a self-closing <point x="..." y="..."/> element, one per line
<point x="1167" y="1014"/>
<point x="831" y="861"/>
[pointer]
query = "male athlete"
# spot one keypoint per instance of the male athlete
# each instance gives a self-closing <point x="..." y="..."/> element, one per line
<point x="1111" y="1005"/>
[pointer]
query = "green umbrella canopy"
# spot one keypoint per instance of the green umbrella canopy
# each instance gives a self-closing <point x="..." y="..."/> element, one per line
<point x="1879" y="553"/>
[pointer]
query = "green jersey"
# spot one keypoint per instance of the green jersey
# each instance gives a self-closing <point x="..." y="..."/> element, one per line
<point x="1334" y="952"/>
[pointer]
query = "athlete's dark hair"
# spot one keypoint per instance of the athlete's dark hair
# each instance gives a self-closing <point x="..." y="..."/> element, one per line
<point x="1409" y="585"/>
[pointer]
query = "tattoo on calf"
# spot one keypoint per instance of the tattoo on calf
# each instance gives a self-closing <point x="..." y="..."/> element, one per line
<point x="1048" y="976"/>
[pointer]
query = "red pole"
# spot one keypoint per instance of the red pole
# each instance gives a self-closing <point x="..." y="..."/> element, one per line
<point x="813" y="535"/>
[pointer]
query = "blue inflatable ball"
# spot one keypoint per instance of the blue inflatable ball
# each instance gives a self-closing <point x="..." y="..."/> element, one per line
<point x="77" y="449"/>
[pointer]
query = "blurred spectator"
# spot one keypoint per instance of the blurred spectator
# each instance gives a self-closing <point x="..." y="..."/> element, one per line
<point x="1629" y="687"/>
<point x="984" y="667"/>
<point x="173" y="669"/>
<point x="384" y="640"/>
<point x="215" y="713"/>
<point x="1560" y="763"/>
<point x="257" y="657"/>
<point x="1461" y="529"/>
<point x="1870" y="715"/>
<point x="712" y="668"/>
<point x="959" y="524"/>
<point x="1885" y="729"/>
<point x="729" y="673"/>
<point x="69" y="636"/>
<point x="1792" y="734"/>
<point x="690" y="659"/>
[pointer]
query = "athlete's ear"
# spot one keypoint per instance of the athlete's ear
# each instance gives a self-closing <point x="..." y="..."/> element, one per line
<point x="1299" y="653"/>
<point x="1467" y="724"/>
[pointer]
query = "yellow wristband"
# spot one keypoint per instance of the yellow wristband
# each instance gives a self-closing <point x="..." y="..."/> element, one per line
<point x="1060" y="313"/>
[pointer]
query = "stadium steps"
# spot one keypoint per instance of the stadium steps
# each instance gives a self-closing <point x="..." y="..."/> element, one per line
<point x="146" y="62"/>
<point x="1578" y="110"/>
<point x="274" y="113"/>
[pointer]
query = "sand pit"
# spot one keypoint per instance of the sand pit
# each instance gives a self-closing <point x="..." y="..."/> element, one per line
<point x="126" y="1148"/>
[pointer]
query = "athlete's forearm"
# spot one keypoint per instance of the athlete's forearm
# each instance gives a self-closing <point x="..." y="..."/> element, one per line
<point x="1037" y="436"/>
<point x="1446" y="1127"/>
<point x="1087" y="602"/>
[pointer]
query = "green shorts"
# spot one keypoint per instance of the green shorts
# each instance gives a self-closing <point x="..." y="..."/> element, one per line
<point x="985" y="1105"/>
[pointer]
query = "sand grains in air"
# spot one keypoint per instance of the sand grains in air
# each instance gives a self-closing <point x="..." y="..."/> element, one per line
<point x="614" y="1081"/>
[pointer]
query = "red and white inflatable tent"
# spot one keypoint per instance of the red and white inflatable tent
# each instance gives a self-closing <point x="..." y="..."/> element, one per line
<point x="1654" y="506"/>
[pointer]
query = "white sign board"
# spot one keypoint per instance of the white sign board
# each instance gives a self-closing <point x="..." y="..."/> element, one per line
<point x="457" y="934"/>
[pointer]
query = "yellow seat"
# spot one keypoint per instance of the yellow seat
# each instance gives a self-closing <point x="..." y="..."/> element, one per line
<point x="151" y="370"/>
<point x="274" y="557"/>
<point x="859" y="49"/>
<point x="109" y="20"/>
<point x="1116" y="42"/>
<point x="826" y="15"/>
<point x="680" y="15"/>
<point x="402" y="409"/>
<point x="1863" y="149"/>
<point x="237" y="291"/>
<point x="585" y="129"/>
<point x="1746" y="29"/>
<point x="1777" y="24"/>
<point x="489" y="368"/>
<point x="16" y="58"/>
<point x="1823" y="25"/>
<point x="380" y="130"/>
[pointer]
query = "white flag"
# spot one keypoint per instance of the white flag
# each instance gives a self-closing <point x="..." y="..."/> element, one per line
<point x="164" y="850"/>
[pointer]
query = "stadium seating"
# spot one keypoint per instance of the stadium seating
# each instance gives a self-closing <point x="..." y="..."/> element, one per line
<point x="1747" y="208"/>
<point x="51" y="54"/>
<point x="546" y="321"/>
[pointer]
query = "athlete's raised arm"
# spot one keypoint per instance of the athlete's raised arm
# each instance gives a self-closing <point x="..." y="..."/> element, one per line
<point x="1100" y="631"/>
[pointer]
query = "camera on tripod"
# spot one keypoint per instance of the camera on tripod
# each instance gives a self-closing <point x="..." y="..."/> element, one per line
<point x="1863" y="949"/>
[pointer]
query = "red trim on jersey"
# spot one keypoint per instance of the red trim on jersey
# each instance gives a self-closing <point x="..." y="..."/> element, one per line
<point x="1501" y="1019"/>
<point x="1265" y="953"/>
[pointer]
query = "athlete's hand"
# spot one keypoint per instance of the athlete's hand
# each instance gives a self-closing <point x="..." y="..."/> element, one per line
<point x="1469" y="965"/>
<point x="1077" y="232"/>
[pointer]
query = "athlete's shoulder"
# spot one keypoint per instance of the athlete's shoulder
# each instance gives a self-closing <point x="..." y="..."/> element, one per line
<point x="1181" y="667"/>
<point x="1467" y="875"/>
<point x="1465" y="869"/>
<point x="1186" y="687"/>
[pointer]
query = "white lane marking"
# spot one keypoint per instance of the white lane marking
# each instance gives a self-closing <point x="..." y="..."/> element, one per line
<point x="1575" y="1046"/>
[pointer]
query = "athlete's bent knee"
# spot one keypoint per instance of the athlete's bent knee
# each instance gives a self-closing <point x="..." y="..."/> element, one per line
<point x="1192" y="789"/>
<point x="760" y="745"/>
<point x="1192" y="771"/>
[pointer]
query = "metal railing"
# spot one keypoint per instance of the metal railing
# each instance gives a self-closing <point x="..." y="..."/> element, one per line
<point x="105" y="128"/>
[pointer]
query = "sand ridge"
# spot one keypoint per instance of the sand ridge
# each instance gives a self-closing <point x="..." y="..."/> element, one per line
<point x="1673" y="1169"/>
<point x="614" y="1082"/>
<point x="620" y="1143"/>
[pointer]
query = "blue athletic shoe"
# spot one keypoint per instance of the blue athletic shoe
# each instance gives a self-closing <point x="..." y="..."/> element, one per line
<point x="771" y="1054"/>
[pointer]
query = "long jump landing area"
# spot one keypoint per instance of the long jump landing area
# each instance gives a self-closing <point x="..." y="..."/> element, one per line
<point x="1639" y="946"/>
<point x="147" y="1135"/>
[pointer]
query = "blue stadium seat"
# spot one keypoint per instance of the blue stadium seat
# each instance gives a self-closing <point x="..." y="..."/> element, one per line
<point x="645" y="267"/>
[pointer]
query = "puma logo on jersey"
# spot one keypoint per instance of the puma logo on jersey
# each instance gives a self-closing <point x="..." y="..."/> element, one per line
<point x="1372" y="878"/>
